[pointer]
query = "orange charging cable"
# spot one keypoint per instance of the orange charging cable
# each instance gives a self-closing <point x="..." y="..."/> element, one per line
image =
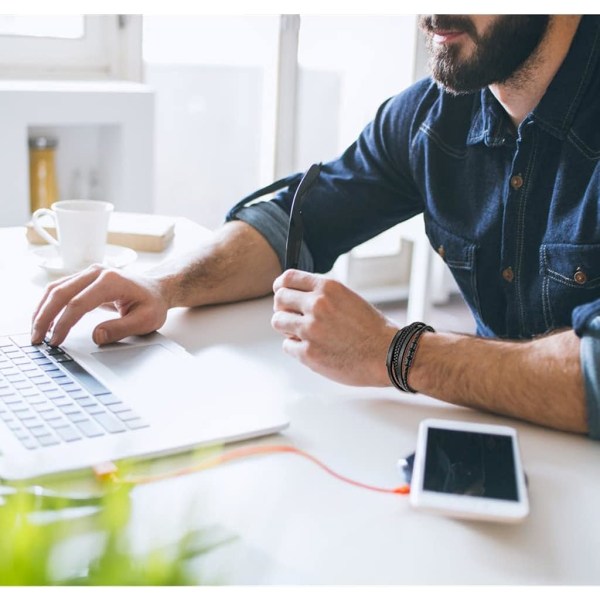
<point x="109" y="471"/>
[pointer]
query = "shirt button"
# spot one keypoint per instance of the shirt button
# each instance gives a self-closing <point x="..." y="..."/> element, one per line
<point x="580" y="277"/>
<point x="516" y="182"/>
<point x="508" y="274"/>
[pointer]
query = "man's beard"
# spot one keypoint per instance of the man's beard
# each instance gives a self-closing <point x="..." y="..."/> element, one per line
<point x="499" y="55"/>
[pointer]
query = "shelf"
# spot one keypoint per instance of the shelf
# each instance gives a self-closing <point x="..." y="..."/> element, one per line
<point x="112" y="121"/>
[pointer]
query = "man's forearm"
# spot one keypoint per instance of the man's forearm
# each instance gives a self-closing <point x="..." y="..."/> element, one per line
<point x="237" y="264"/>
<point x="538" y="380"/>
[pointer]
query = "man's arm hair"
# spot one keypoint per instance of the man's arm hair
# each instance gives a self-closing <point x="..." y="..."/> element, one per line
<point x="538" y="380"/>
<point x="237" y="264"/>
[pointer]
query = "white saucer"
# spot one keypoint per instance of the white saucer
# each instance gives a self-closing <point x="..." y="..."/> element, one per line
<point x="116" y="257"/>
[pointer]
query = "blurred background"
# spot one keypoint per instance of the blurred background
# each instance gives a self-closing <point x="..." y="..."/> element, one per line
<point x="184" y="115"/>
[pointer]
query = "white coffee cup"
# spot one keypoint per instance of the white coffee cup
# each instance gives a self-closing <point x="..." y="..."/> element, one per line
<point x="81" y="227"/>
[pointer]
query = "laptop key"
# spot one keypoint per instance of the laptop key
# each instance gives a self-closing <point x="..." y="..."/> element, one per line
<point x="29" y="443"/>
<point x="47" y="440"/>
<point x="70" y="409"/>
<point x="64" y="401"/>
<point x="23" y="385"/>
<point x="109" y="399"/>
<point x="58" y="422"/>
<point x="63" y="358"/>
<point x="128" y="415"/>
<point x="31" y="394"/>
<point x="33" y="421"/>
<point x="85" y="402"/>
<point x="68" y="433"/>
<point x="88" y="381"/>
<point x="70" y="387"/>
<point x="42" y="361"/>
<point x="136" y="424"/>
<point x="20" y="433"/>
<point x="50" y="415"/>
<point x="14" y="401"/>
<point x="39" y="430"/>
<point x="48" y="387"/>
<point x="22" y="411"/>
<point x="77" y="417"/>
<point x="109" y="423"/>
<point x="89" y="428"/>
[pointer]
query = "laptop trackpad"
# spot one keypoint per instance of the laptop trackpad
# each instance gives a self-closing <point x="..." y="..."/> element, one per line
<point x="139" y="364"/>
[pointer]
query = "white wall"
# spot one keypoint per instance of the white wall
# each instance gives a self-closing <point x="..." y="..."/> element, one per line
<point x="213" y="77"/>
<point x="207" y="152"/>
<point x="213" y="80"/>
<point x="373" y="57"/>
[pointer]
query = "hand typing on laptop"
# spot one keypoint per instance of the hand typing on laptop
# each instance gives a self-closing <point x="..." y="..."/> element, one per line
<point x="139" y="301"/>
<point x="236" y="265"/>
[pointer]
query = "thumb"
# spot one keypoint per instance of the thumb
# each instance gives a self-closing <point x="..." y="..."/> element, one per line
<point x="136" y="322"/>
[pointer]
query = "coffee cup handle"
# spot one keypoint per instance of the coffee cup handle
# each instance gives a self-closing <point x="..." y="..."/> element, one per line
<point x="37" y="215"/>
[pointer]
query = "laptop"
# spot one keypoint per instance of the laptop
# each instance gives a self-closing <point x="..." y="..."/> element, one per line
<point x="75" y="406"/>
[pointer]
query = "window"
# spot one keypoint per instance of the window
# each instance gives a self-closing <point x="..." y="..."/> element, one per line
<point x="70" y="47"/>
<point x="70" y="27"/>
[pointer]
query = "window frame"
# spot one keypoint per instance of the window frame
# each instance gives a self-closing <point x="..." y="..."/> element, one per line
<point x="110" y="49"/>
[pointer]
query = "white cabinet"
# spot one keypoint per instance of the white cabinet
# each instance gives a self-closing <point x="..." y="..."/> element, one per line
<point x="104" y="129"/>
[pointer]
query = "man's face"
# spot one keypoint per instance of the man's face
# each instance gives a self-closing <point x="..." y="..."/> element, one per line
<point x="470" y="52"/>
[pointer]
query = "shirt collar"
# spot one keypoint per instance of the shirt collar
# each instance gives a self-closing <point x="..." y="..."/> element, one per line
<point x="490" y="123"/>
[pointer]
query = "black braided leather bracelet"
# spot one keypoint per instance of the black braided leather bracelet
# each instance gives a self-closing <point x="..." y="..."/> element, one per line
<point x="401" y="354"/>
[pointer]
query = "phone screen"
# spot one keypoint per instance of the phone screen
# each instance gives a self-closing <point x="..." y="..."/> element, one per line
<point x="470" y="463"/>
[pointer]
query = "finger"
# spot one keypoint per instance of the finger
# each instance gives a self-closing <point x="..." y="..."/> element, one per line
<point x="138" y="321"/>
<point x="297" y="280"/>
<point x="294" y="347"/>
<point x="91" y="297"/>
<point x="55" y="299"/>
<point x="286" y="299"/>
<point x="47" y="291"/>
<point x="289" y="324"/>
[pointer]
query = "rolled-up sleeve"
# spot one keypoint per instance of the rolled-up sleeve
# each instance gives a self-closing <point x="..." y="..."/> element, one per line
<point x="272" y="223"/>
<point x="362" y="193"/>
<point x="586" y="322"/>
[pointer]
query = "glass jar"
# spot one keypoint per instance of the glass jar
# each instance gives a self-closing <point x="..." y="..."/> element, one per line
<point x="42" y="172"/>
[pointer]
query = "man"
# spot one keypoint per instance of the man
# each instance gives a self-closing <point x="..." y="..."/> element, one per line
<point x="501" y="154"/>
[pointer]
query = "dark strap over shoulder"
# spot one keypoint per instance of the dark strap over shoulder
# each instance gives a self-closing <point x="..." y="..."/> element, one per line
<point x="269" y="189"/>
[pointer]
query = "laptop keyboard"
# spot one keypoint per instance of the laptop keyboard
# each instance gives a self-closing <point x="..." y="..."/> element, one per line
<point x="47" y="398"/>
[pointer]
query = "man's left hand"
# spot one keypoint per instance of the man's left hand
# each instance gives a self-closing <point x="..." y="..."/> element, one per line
<point x="331" y="329"/>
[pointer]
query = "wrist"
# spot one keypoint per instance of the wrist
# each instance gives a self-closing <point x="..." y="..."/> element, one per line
<point x="165" y="287"/>
<point x="402" y="353"/>
<point x="417" y="376"/>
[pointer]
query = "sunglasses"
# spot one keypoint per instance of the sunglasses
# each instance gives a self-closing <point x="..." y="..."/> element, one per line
<point x="296" y="225"/>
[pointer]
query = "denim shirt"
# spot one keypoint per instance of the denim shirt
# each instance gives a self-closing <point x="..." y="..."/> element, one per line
<point x="514" y="212"/>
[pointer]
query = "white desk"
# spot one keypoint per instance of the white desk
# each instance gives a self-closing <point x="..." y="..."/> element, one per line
<point x="295" y="524"/>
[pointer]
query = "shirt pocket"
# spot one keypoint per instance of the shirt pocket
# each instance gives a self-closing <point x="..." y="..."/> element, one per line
<point x="459" y="254"/>
<point x="570" y="278"/>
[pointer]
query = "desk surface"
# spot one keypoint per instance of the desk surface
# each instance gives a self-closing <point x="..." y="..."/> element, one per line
<point x="293" y="524"/>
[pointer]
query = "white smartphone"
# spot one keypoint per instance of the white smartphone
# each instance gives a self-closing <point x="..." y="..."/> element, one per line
<point x="469" y="470"/>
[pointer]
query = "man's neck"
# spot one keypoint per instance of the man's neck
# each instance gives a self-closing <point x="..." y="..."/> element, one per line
<point x="522" y="93"/>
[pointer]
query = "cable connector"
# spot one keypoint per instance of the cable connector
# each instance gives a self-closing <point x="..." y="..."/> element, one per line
<point x="106" y="472"/>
